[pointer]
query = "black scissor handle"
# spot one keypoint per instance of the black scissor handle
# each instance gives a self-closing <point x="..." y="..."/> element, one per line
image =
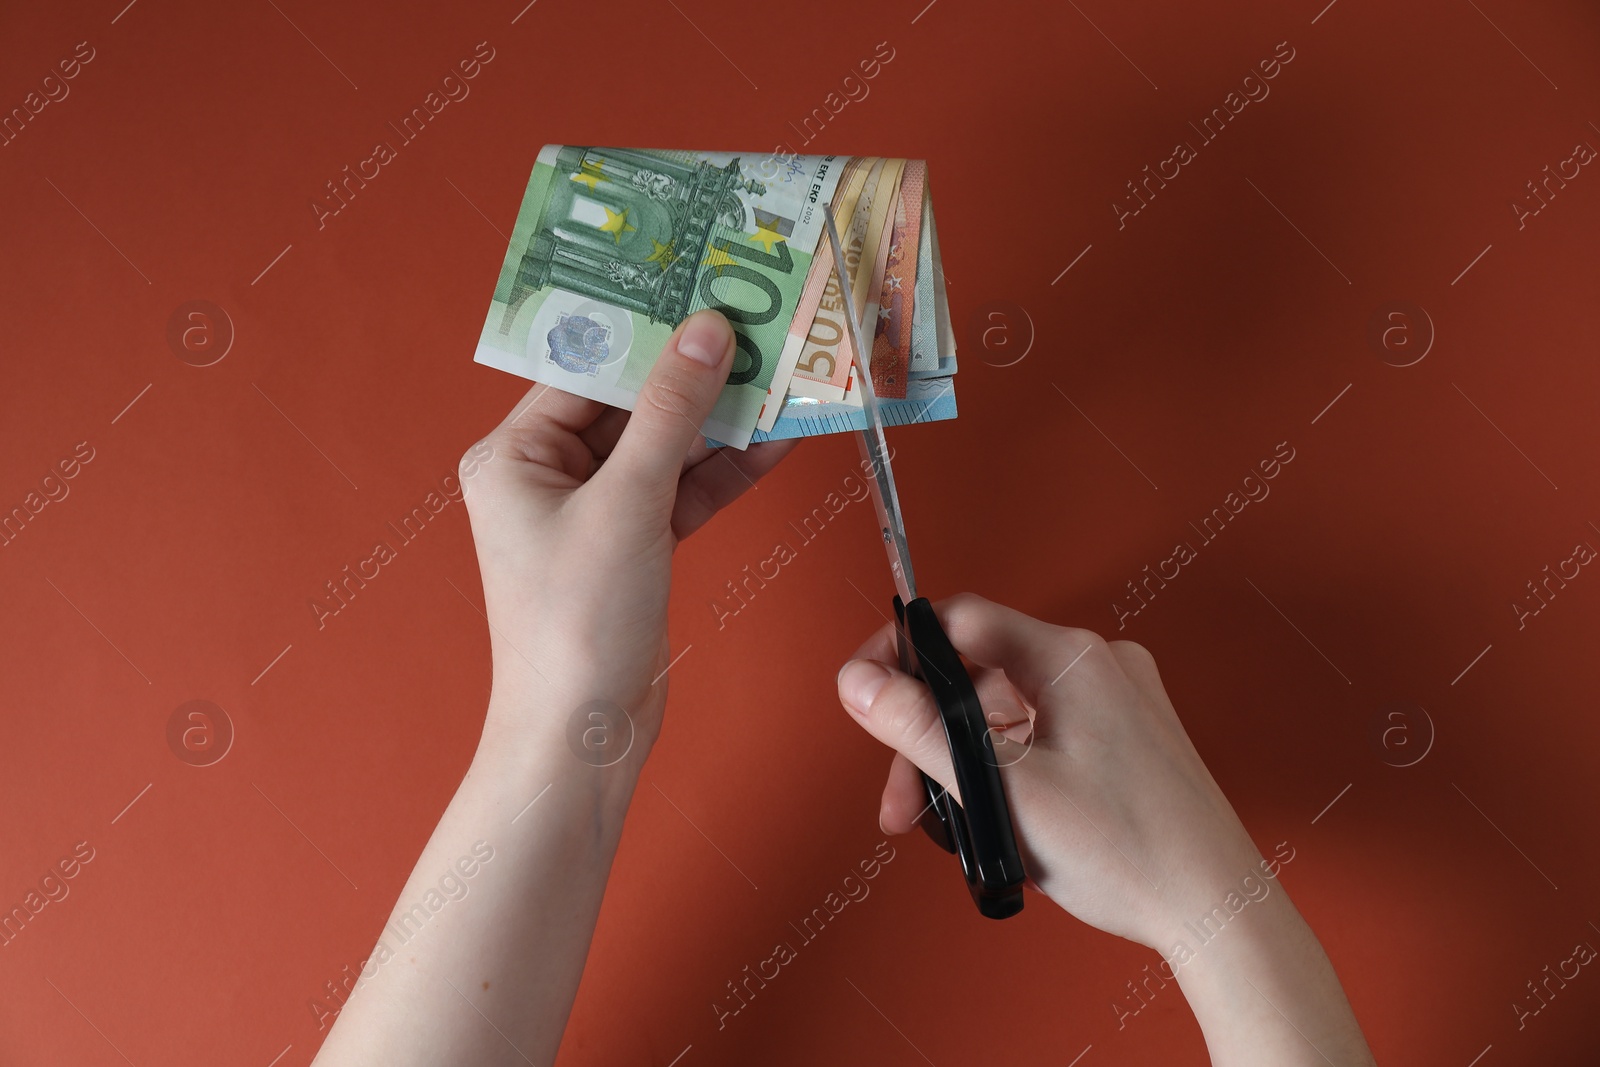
<point x="980" y="831"/>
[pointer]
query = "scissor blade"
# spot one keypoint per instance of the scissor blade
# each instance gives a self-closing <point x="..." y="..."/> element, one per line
<point x="874" y="448"/>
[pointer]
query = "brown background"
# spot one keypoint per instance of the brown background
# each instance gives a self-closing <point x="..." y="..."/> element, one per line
<point x="1221" y="320"/>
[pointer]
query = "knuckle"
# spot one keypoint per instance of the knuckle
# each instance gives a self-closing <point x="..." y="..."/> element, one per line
<point x="964" y="616"/>
<point x="474" y="477"/>
<point x="963" y="601"/>
<point x="967" y="611"/>
<point x="474" y="459"/>
<point x="906" y="708"/>
<point x="1078" y="639"/>
<point x="929" y="747"/>
<point x="1083" y="654"/>
<point x="1137" y="661"/>
<point x="671" y="397"/>
<point x="1131" y="650"/>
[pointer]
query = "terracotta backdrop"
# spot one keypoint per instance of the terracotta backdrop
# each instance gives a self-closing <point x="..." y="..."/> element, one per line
<point x="1342" y="274"/>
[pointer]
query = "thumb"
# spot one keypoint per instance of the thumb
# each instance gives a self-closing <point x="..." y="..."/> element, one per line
<point x="675" y="400"/>
<point x="898" y="710"/>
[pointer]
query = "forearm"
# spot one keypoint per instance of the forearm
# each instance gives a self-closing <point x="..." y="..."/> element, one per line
<point x="489" y="977"/>
<point x="1264" y="992"/>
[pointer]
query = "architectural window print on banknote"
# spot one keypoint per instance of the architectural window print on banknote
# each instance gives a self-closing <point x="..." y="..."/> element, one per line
<point x="613" y="247"/>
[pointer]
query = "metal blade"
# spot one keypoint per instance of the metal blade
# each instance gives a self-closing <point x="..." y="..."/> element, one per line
<point x="874" y="449"/>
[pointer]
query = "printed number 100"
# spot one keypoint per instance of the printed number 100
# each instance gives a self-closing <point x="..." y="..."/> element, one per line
<point x="779" y="262"/>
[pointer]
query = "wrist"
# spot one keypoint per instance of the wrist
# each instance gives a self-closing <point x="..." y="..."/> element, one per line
<point x="593" y="755"/>
<point x="1264" y="991"/>
<point x="1223" y="916"/>
<point x="1222" y="945"/>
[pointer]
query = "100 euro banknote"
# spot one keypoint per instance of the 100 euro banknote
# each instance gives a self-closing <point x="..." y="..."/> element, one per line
<point x="613" y="247"/>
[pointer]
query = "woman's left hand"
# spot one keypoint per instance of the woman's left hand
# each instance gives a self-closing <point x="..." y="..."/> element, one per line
<point x="576" y="511"/>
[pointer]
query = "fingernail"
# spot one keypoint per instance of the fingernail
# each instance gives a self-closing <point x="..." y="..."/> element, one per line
<point x="704" y="338"/>
<point x="859" y="682"/>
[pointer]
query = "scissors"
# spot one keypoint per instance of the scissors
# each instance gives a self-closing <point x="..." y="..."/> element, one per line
<point x="980" y="829"/>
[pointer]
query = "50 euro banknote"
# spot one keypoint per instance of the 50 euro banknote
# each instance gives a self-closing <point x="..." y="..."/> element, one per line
<point x="613" y="247"/>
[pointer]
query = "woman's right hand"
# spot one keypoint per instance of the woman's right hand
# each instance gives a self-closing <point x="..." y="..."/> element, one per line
<point x="1120" y="823"/>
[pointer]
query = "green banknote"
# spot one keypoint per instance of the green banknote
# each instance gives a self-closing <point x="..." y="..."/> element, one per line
<point x="613" y="247"/>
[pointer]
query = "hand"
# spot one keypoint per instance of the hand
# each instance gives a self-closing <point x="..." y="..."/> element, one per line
<point x="575" y="509"/>
<point x="576" y="515"/>
<point x="1119" y="821"/>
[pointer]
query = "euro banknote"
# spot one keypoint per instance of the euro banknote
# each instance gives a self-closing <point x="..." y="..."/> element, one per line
<point x="613" y="247"/>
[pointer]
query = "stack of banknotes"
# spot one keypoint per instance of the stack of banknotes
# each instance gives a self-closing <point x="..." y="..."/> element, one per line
<point x="614" y="247"/>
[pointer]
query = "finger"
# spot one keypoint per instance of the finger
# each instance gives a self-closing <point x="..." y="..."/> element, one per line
<point x="542" y="430"/>
<point x="899" y="711"/>
<point x="602" y="435"/>
<point x="1137" y="663"/>
<point x="1012" y="733"/>
<point x="904" y="797"/>
<point x="708" y="487"/>
<point x="1018" y="662"/>
<point x="994" y="637"/>
<point x="1003" y="707"/>
<point x="700" y="451"/>
<point x="676" y="398"/>
<point x="882" y="646"/>
<point x="1013" y="729"/>
<point x="547" y="404"/>
<point x="1037" y="657"/>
